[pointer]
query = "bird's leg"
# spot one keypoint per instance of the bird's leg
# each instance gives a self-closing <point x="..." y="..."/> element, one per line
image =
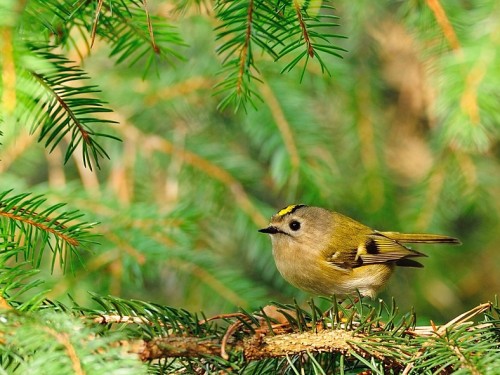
<point x="338" y="311"/>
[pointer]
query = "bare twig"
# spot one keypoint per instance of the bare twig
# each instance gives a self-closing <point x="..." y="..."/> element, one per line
<point x="96" y="21"/>
<point x="439" y="331"/>
<point x="150" y="28"/>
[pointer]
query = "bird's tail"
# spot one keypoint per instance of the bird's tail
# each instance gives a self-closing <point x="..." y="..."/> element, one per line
<point x="420" y="238"/>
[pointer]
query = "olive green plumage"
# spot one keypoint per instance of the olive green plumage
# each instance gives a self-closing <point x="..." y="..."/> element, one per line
<point x="325" y="253"/>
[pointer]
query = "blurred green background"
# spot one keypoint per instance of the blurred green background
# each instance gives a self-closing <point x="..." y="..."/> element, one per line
<point x="403" y="136"/>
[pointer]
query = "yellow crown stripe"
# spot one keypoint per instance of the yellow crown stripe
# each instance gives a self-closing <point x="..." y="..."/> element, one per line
<point x="289" y="209"/>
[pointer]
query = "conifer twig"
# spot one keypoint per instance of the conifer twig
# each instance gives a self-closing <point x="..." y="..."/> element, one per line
<point x="444" y="23"/>
<point x="96" y="21"/>
<point x="303" y="27"/>
<point x="459" y="320"/>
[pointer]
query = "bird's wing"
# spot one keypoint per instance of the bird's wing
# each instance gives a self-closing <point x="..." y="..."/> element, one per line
<point x="376" y="249"/>
<point x="381" y="249"/>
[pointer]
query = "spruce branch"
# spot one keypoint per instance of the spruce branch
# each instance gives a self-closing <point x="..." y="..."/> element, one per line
<point x="168" y="338"/>
<point x="134" y="33"/>
<point x="128" y="26"/>
<point x="49" y="342"/>
<point x="308" y="34"/>
<point x="363" y="338"/>
<point x="244" y="53"/>
<point x="25" y="223"/>
<point x="303" y="27"/>
<point x="273" y="29"/>
<point x="60" y="107"/>
<point x="437" y="334"/>
<point x="238" y="26"/>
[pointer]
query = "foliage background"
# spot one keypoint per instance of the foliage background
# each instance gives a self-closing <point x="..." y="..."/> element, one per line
<point x="402" y="136"/>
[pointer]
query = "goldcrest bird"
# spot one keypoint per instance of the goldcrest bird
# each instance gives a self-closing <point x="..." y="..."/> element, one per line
<point x="325" y="253"/>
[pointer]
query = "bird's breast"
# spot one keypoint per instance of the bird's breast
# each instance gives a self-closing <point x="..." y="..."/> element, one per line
<point x="318" y="276"/>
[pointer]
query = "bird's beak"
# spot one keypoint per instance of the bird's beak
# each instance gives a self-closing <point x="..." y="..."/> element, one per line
<point x="270" y="229"/>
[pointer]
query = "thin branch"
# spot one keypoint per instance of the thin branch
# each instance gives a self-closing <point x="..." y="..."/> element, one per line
<point x="156" y="49"/>
<point x="96" y="20"/>
<point x="444" y="22"/>
<point x="303" y="28"/>
<point x="439" y="331"/>
<point x="174" y="347"/>
<point x="121" y="319"/>
<point x="131" y="37"/>
<point x="244" y="49"/>
<point x="64" y="340"/>
<point x="85" y="135"/>
<point x="40" y="225"/>
<point x="463" y="360"/>
<point x="463" y="318"/>
<point x="468" y="101"/>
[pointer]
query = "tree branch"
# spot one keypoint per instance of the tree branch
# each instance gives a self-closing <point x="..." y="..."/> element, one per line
<point x="303" y="28"/>
<point x="78" y="124"/>
<point x="244" y="53"/>
<point x="341" y="341"/>
<point x="444" y="23"/>
<point x="40" y="225"/>
<point x="253" y="348"/>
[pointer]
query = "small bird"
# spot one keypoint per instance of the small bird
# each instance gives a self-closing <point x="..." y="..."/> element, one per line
<point x="324" y="253"/>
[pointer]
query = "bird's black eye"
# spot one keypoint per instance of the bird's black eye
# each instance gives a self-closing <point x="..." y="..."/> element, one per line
<point x="294" y="225"/>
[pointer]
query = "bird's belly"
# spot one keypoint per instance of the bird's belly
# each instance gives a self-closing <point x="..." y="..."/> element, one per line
<point x="327" y="279"/>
